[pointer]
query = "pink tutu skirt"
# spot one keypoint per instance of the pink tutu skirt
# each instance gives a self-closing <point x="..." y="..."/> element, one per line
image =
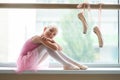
<point x="29" y="61"/>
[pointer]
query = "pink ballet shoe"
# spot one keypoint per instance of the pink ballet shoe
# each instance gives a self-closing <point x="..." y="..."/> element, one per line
<point x="82" y="18"/>
<point x="83" y="67"/>
<point x="71" y="68"/>
<point x="98" y="33"/>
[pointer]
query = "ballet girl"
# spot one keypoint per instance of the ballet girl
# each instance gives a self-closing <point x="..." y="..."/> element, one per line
<point x="37" y="48"/>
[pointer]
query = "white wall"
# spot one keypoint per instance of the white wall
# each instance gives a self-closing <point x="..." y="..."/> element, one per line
<point x="3" y="34"/>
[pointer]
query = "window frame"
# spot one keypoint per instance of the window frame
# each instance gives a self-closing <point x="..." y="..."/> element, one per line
<point x="56" y="6"/>
<point x="65" y="6"/>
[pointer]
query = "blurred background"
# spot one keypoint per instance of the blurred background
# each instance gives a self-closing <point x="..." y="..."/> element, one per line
<point x="17" y="25"/>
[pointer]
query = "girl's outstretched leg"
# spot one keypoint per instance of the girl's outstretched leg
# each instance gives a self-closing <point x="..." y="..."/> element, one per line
<point x="66" y="65"/>
<point x="82" y="18"/>
<point x="82" y="67"/>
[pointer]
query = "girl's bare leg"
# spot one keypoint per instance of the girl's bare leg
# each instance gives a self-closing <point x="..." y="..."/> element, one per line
<point x="82" y="18"/>
<point x="98" y="33"/>
<point x="82" y="67"/>
<point x="66" y="64"/>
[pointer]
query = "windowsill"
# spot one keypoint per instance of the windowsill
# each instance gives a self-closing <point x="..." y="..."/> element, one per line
<point x="60" y="71"/>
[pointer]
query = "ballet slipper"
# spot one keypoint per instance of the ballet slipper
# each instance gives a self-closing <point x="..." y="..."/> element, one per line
<point x="71" y="68"/>
<point x="98" y="33"/>
<point x="83" y="67"/>
<point x="82" y="18"/>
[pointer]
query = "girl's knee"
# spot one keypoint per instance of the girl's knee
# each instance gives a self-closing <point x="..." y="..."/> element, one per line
<point x="46" y="48"/>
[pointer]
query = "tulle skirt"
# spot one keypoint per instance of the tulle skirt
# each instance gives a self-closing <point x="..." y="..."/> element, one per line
<point x="29" y="61"/>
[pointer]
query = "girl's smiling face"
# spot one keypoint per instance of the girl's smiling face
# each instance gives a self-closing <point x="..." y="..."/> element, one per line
<point x="50" y="32"/>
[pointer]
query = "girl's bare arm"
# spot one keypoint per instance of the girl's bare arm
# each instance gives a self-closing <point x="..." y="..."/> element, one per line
<point x="46" y="41"/>
<point x="58" y="46"/>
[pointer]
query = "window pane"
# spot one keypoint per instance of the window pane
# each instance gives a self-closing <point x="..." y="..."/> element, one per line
<point x="84" y="47"/>
<point x="16" y="27"/>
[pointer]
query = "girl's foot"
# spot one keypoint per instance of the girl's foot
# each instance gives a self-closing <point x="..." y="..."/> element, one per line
<point x="68" y="67"/>
<point x="82" y="67"/>
<point x="98" y="33"/>
<point x="82" y="18"/>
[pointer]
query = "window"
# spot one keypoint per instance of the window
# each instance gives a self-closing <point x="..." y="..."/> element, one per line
<point x="20" y="24"/>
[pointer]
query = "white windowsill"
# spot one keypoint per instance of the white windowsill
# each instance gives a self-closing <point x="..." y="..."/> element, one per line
<point x="60" y="71"/>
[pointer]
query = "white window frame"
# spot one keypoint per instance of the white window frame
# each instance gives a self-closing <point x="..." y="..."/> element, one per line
<point x="64" y="6"/>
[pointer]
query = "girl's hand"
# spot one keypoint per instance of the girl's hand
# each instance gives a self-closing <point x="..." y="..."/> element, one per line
<point x="51" y="40"/>
<point x="59" y="47"/>
<point x="43" y="39"/>
<point x="47" y="39"/>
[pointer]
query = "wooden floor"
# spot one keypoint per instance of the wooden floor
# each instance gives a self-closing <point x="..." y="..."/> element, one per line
<point x="59" y="74"/>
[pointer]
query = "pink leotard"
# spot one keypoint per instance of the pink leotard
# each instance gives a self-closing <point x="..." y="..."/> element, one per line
<point x="28" y="57"/>
<point x="28" y="46"/>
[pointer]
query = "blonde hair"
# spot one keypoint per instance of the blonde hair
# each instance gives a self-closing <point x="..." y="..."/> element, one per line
<point x="53" y="27"/>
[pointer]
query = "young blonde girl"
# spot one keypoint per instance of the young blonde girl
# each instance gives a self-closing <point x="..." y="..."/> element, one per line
<point x="38" y="47"/>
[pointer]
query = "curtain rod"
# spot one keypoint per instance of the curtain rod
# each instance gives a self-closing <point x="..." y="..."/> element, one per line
<point x="55" y="6"/>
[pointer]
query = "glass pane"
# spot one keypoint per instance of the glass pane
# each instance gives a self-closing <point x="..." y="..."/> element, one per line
<point x="84" y="48"/>
<point x="17" y="25"/>
<point x="109" y="29"/>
